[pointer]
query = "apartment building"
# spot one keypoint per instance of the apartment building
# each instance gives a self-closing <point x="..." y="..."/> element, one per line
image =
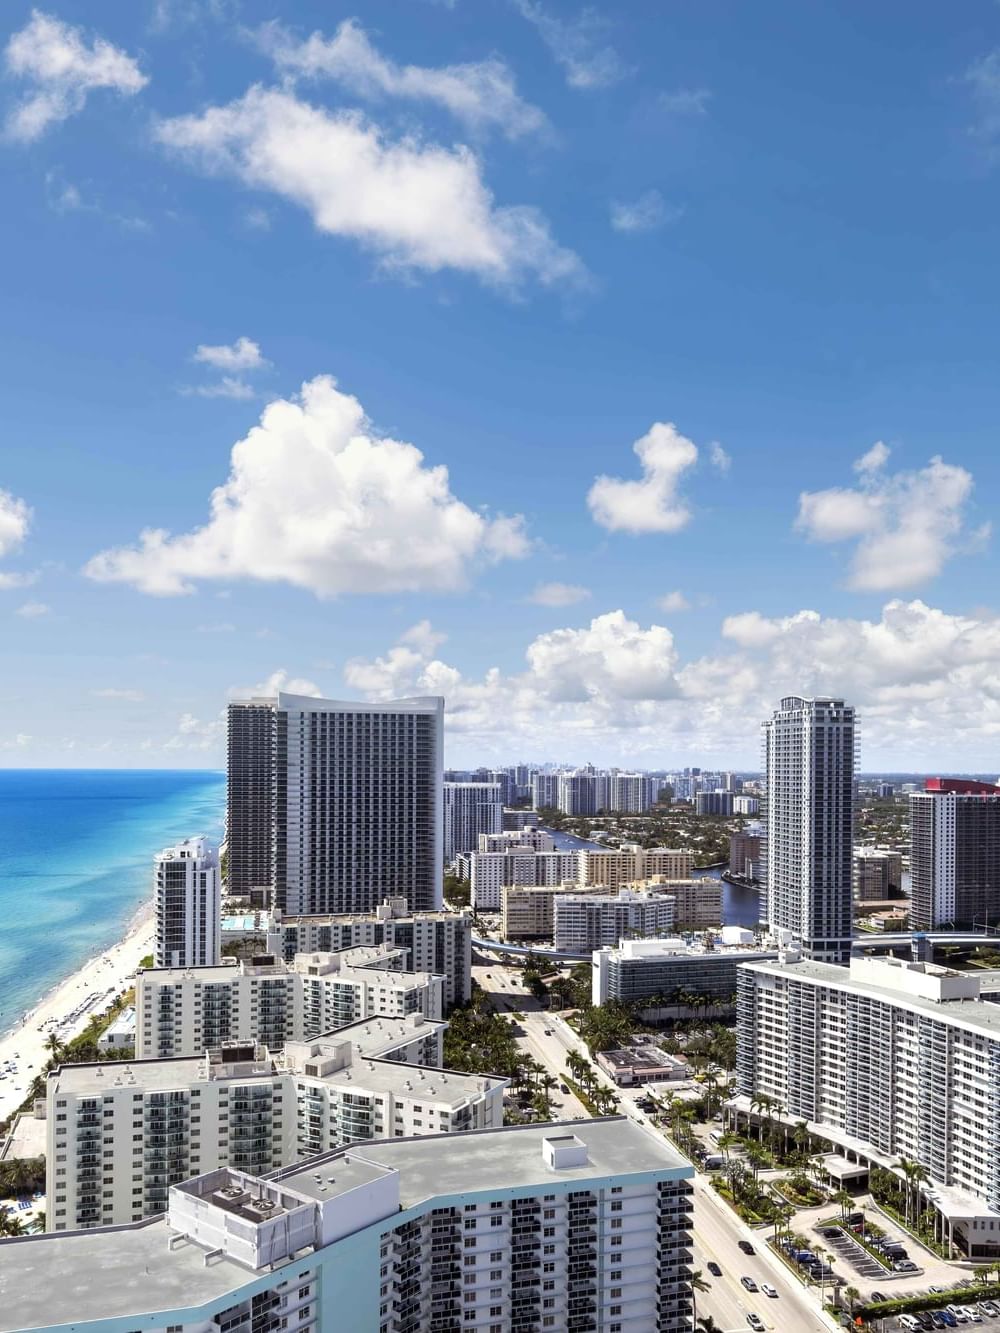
<point x="669" y="970"/>
<point x="338" y="803"/>
<point x="488" y="872"/>
<point x="585" y="922"/>
<point x="579" y="1226"/>
<point x="955" y="854"/>
<point x="470" y="809"/>
<point x="809" y="758"/>
<point x="183" y="1011"/>
<point x="250" y="800"/>
<point x="438" y="942"/>
<point x="614" y="869"/>
<point x="117" y="1137"/>
<point x="529" y="913"/>
<point x="187" y="905"/>
<point x="744" y="854"/>
<point x="877" y="874"/>
<point x="885" y="1060"/>
<point x="697" y="902"/>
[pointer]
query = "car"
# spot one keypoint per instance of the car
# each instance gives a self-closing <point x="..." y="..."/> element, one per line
<point x="746" y="1247"/>
<point x="936" y="1289"/>
<point x="564" y="1087"/>
<point x="958" y="1314"/>
<point x="904" y="1266"/>
<point x="755" y="1322"/>
<point x="925" y="1319"/>
<point x="749" y="1283"/>
<point x="908" y="1321"/>
<point x="972" y="1314"/>
<point x="990" y="1308"/>
<point x="880" y="1296"/>
<point x="548" y="1032"/>
<point x="768" y="1290"/>
<point x="714" y="1268"/>
<point x="938" y="1320"/>
<point x="949" y="1319"/>
<point x="831" y="1233"/>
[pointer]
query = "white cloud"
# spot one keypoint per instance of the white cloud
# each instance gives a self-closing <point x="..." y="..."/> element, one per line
<point x="480" y="94"/>
<point x="15" y="521"/>
<point x="926" y="684"/>
<point x="674" y="601"/>
<point x="417" y="206"/>
<point x="126" y="696"/>
<point x="719" y="459"/>
<point x="230" y="386"/>
<point x="651" y="504"/>
<point x="983" y="80"/>
<point x="277" y="682"/>
<point x="62" y="69"/>
<point x="685" y="101"/>
<point x="16" y="742"/>
<point x="646" y="213"/>
<point x="243" y="354"/>
<point x="577" y="45"/>
<point x="423" y="637"/>
<point x="874" y="458"/>
<point x="32" y="610"/>
<point x="906" y="526"/>
<point x="558" y="594"/>
<point x="317" y="499"/>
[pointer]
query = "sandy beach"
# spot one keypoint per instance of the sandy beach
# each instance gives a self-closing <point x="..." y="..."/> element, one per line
<point x="67" y="1007"/>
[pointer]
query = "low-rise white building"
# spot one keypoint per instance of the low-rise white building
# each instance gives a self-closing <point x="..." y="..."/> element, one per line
<point x="664" y="973"/>
<point x="184" y="1011"/>
<point x="886" y="1060"/>
<point x="584" y="1224"/>
<point x="118" y="1136"/>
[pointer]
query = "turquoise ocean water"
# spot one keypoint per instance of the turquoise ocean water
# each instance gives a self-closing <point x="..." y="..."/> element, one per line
<point x="76" y="849"/>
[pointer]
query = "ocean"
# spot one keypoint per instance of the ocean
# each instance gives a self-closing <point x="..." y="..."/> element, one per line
<point x="76" y="856"/>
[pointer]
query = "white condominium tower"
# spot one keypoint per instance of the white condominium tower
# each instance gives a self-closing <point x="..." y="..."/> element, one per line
<point x="887" y="1059"/>
<point x="470" y="808"/>
<point x="809" y="754"/>
<point x="354" y="813"/>
<point x="561" y="1228"/>
<point x="187" y="903"/>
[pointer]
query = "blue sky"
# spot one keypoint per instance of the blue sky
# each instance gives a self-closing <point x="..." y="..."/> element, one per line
<point x="520" y="238"/>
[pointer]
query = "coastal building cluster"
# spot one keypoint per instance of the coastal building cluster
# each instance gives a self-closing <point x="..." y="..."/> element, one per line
<point x="284" y="1147"/>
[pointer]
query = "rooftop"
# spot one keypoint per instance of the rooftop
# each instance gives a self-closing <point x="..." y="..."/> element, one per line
<point x="376" y="1036"/>
<point x="485" y="1160"/>
<point x="975" y="1014"/>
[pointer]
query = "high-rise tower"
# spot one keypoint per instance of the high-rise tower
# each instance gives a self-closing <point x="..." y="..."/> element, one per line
<point x="955" y="854"/>
<point x="809" y="751"/>
<point x="250" y="801"/>
<point x="187" y="904"/>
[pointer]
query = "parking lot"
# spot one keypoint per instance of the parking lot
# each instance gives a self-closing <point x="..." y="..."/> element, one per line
<point x="986" y="1313"/>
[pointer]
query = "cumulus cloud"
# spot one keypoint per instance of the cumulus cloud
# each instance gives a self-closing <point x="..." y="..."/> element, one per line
<point x="481" y="94"/>
<point x="651" y="504"/>
<point x="62" y="68"/>
<point x="278" y="682"/>
<point x="558" y="594"/>
<point x="577" y="45"/>
<point x="906" y="526"/>
<point x="316" y="498"/>
<point x="416" y="205"/>
<point x="243" y="354"/>
<point x="926" y="684"/>
<point x="646" y="213"/>
<point x="674" y="601"/>
<point x="125" y="696"/>
<point x="15" y="519"/>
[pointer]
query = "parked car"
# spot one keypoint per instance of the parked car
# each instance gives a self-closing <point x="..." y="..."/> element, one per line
<point x="880" y="1296"/>
<point x="746" y="1247"/>
<point x="831" y="1233"/>
<point x="714" y="1268"/>
<point x="949" y="1319"/>
<point x="908" y="1321"/>
<point x="958" y="1313"/>
<point x="749" y="1283"/>
<point x="990" y="1308"/>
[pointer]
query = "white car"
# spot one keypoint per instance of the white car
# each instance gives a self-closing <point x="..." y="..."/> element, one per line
<point x="972" y="1314"/>
<point x="768" y="1290"/>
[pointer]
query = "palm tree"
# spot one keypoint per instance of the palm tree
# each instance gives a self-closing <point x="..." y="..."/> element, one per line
<point x="697" y="1283"/>
<point x="846" y="1201"/>
<point x="851" y="1295"/>
<point x="708" y="1325"/>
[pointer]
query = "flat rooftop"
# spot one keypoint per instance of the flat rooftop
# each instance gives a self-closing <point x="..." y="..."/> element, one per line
<point x="149" y="1075"/>
<point x="499" y="1159"/>
<point x="374" y="1036"/>
<point x="977" y="1015"/>
<point x="102" y="1274"/>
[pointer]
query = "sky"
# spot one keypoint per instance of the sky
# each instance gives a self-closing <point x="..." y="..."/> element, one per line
<point x="611" y="371"/>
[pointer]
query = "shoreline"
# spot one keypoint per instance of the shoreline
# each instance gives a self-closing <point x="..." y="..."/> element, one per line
<point x="66" y="1008"/>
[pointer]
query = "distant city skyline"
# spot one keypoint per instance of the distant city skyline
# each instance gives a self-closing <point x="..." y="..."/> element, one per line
<point x="665" y="389"/>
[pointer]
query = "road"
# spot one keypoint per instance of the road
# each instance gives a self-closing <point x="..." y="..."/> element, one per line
<point x="716" y="1231"/>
